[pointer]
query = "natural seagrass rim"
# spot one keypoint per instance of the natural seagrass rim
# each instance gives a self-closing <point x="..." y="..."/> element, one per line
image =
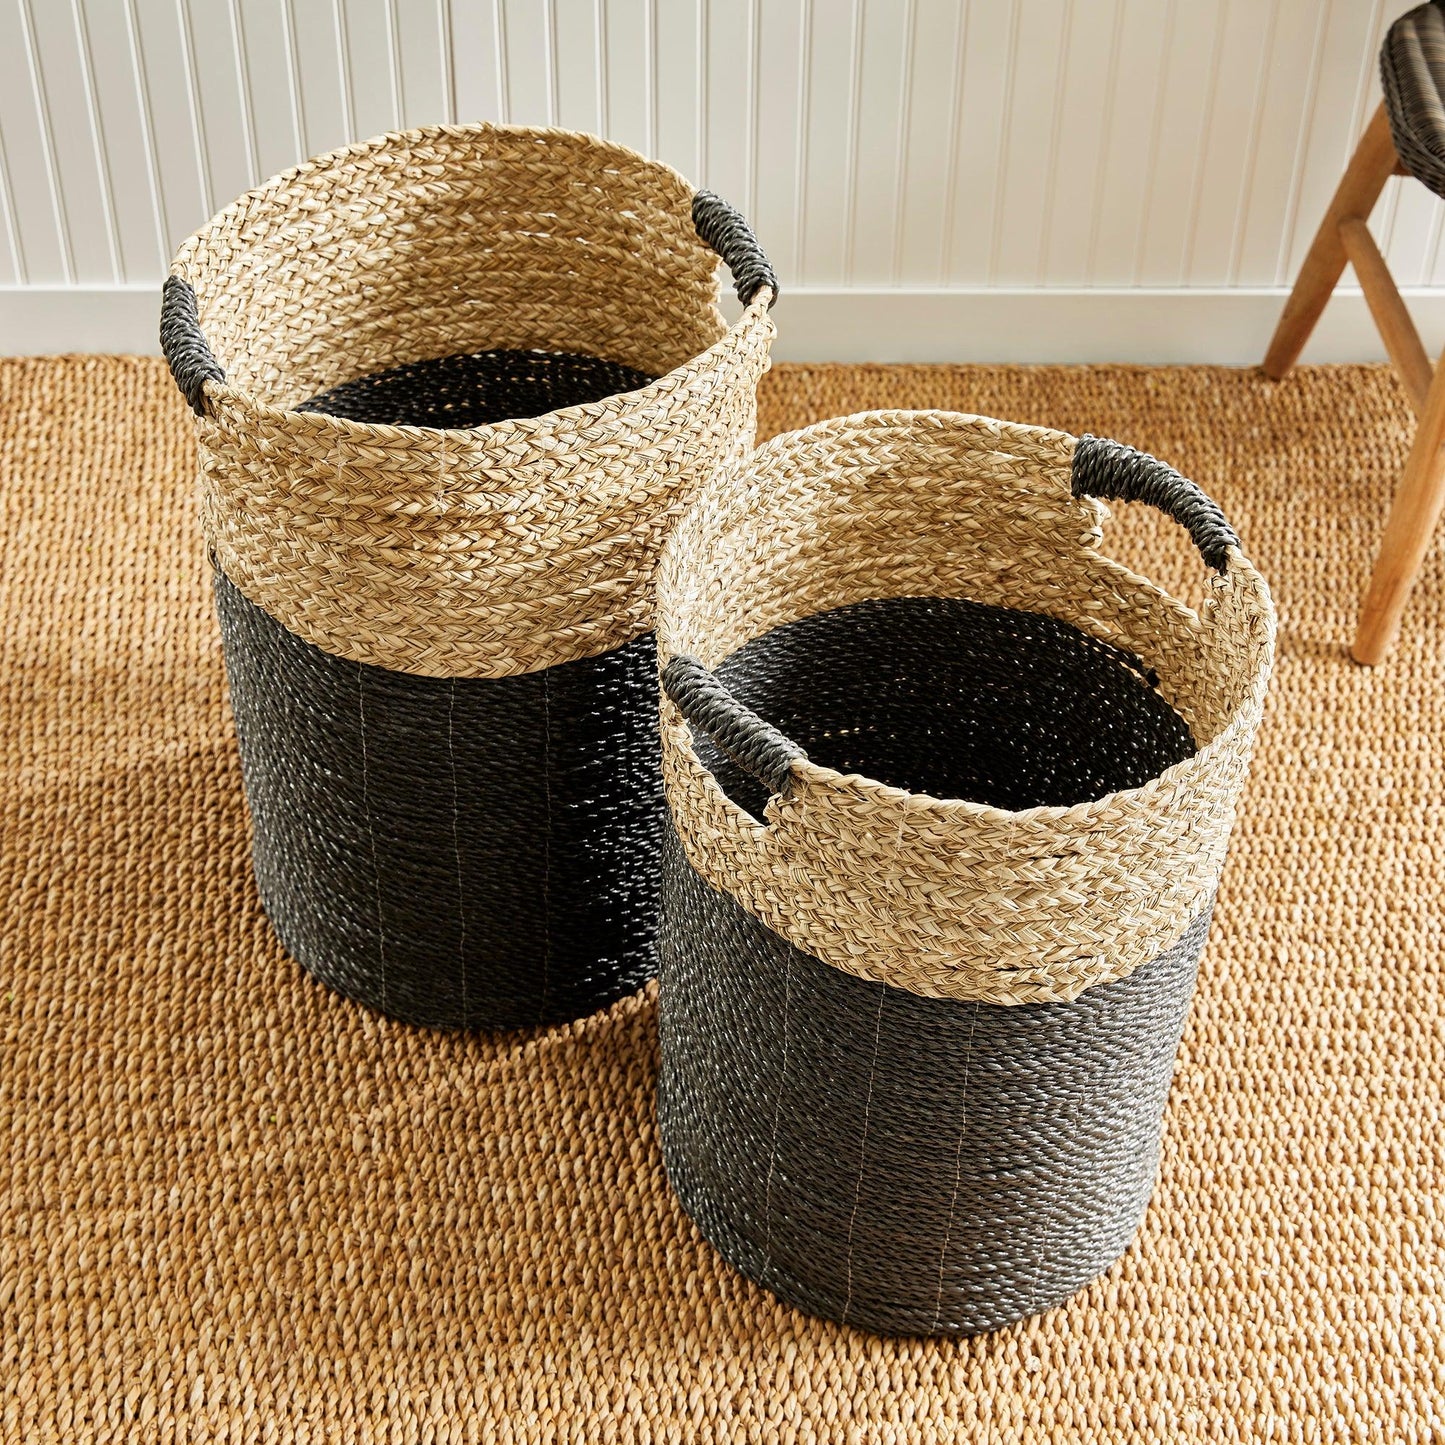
<point x="484" y="551"/>
<point x="193" y="365"/>
<point x="947" y="897"/>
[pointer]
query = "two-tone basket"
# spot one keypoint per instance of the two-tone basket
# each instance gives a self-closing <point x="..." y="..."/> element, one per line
<point x="952" y="792"/>
<point x="451" y="388"/>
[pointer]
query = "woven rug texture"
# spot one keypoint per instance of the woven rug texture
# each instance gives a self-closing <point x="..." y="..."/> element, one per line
<point x="235" y="1207"/>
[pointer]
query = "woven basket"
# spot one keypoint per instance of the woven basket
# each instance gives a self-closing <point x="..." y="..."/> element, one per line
<point x="952" y="792"/>
<point x="451" y="388"/>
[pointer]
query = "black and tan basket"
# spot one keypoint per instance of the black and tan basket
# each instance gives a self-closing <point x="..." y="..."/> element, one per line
<point x="451" y="389"/>
<point x="952" y="792"/>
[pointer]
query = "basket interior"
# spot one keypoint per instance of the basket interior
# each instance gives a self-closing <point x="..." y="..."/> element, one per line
<point x="956" y="699"/>
<point x="448" y="242"/>
<point x="476" y="390"/>
<point x="910" y="505"/>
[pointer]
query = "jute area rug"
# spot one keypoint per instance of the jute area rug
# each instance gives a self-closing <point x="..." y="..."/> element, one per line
<point x="235" y="1207"/>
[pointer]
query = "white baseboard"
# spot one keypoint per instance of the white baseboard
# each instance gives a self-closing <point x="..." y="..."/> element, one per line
<point x="47" y="320"/>
<point x="1161" y="327"/>
<point x="1226" y="327"/>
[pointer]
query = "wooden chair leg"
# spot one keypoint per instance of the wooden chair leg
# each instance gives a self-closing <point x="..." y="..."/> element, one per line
<point x="1372" y="164"/>
<point x="1413" y="515"/>
<point x="1392" y="320"/>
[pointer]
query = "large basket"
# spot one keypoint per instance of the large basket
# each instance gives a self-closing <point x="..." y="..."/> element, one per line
<point x="952" y="792"/>
<point x="451" y="389"/>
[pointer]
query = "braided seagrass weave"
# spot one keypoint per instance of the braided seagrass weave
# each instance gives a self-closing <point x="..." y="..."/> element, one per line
<point x="949" y="896"/>
<point x="451" y="387"/>
<point x="366" y="538"/>
<point x="951" y="793"/>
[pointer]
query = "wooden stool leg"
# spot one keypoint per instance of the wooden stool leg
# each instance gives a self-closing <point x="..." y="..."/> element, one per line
<point x="1372" y="164"/>
<point x="1413" y="515"/>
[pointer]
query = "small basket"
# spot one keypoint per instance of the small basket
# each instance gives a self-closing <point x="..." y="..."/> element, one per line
<point x="451" y="389"/>
<point x="952" y="792"/>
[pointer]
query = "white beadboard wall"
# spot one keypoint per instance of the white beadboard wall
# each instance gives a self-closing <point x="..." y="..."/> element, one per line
<point x="934" y="179"/>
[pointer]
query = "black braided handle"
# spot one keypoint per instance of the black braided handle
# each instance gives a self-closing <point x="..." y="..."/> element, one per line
<point x="722" y="228"/>
<point x="184" y="346"/>
<point x="754" y="745"/>
<point x="1113" y="472"/>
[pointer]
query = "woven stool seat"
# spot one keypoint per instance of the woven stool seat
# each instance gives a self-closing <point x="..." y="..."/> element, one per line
<point x="1412" y="72"/>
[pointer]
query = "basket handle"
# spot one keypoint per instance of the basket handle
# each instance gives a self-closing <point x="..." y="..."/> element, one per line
<point x="754" y="745"/>
<point x="1112" y="472"/>
<point x="722" y="228"/>
<point x="185" y="348"/>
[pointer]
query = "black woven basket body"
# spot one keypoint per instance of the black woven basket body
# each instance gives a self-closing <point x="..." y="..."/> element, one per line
<point x="461" y="849"/>
<point x="895" y="1159"/>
